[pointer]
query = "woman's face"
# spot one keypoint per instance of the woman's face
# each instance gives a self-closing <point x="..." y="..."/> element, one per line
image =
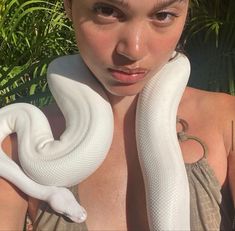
<point x="125" y="42"/>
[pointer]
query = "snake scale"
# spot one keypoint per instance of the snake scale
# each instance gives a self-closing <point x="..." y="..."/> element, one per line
<point x="49" y="166"/>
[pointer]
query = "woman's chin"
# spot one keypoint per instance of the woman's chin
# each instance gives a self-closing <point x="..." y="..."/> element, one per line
<point x="124" y="91"/>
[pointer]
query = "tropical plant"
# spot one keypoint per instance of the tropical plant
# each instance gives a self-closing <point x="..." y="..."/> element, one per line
<point x="210" y="43"/>
<point x="32" y="33"/>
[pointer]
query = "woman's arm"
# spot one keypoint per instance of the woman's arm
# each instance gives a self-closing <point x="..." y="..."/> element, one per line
<point x="13" y="203"/>
<point x="231" y="174"/>
<point x="231" y="144"/>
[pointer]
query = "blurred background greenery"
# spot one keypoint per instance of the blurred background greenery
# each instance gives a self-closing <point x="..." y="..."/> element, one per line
<point x="210" y="44"/>
<point x="33" y="32"/>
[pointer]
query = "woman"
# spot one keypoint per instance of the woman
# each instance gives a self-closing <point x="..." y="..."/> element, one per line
<point x="124" y="43"/>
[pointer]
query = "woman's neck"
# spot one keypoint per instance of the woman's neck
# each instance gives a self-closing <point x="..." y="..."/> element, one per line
<point x="123" y="105"/>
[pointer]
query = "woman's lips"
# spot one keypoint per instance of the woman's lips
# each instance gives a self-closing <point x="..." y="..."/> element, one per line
<point x="128" y="75"/>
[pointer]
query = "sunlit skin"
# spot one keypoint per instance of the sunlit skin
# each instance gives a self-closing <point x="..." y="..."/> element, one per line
<point x="124" y="43"/>
<point x="116" y="35"/>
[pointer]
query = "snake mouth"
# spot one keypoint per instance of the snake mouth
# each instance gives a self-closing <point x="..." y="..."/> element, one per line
<point x="77" y="219"/>
<point x="69" y="218"/>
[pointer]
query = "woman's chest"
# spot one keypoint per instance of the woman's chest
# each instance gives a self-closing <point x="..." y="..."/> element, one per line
<point x="114" y="195"/>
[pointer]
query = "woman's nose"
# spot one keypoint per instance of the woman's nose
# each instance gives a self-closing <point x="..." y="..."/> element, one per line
<point x="132" y="43"/>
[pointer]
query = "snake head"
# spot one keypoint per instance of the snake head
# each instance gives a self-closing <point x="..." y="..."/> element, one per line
<point x="63" y="201"/>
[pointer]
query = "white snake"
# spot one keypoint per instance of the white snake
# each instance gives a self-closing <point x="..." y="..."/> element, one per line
<point x="86" y="141"/>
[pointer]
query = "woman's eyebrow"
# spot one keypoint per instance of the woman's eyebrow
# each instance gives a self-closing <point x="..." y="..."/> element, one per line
<point x="165" y="3"/>
<point x="160" y="4"/>
<point x="122" y="3"/>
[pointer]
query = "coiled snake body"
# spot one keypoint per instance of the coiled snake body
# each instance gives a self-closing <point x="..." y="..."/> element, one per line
<point x="50" y="165"/>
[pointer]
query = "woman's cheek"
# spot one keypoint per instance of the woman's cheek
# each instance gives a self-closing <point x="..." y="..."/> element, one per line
<point x="95" y="42"/>
<point x="162" y="50"/>
<point x="166" y="45"/>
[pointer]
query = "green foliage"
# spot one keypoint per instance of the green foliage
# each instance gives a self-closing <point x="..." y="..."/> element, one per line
<point x="32" y="33"/>
<point x="210" y="43"/>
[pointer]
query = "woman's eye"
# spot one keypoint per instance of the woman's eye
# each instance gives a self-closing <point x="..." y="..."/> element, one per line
<point x="107" y="12"/>
<point x="164" y="18"/>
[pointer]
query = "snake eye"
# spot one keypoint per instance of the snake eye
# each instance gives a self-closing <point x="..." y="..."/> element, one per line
<point x="65" y="214"/>
<point x="67" y="218"/>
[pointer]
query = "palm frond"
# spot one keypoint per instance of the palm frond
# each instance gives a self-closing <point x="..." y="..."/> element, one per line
<point x="32" y="33"/>
<point x="210" y="43"/>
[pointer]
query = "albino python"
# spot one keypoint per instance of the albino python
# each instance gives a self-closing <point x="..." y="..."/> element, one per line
<point x="49" y="166"/>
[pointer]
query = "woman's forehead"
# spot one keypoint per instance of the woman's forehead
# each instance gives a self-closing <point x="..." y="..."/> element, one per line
<point x="152" y="1"/>
<point x="133" y="3"/>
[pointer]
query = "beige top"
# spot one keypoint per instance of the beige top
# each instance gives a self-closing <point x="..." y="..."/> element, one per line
<point x="211" y="207"/>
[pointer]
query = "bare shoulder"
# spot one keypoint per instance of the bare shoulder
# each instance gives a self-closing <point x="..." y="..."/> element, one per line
<point x="52" y="111"/>
<point x="217" y="108"/>
<point x="55" y="118"/>
<point x="213" y="100"/>
<point x="217" y="103"/>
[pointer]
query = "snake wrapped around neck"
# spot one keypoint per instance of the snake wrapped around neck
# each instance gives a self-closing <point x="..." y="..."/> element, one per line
<point x="48" y="166"/>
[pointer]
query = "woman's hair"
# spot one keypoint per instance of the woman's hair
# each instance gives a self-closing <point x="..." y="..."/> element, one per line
<point x="181" y="44"/>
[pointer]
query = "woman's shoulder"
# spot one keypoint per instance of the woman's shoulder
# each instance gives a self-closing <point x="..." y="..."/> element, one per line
<point x="217" y="105"/>
<point x="55" y="118"/>
<point x="52" y="110"/>
<point x="221" y="103"/>
<point x="218" y="109"/>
